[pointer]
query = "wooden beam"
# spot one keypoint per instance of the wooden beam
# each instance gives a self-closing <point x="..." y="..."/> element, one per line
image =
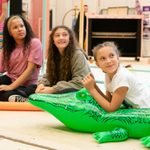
<point x="81" y="23"/>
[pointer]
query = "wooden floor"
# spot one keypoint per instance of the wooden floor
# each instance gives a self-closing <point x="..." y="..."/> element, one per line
<point x="38" y="130"/>
<point x="41" y="131"/>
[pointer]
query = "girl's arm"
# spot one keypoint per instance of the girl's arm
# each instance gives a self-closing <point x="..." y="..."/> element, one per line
<point x="116" y="100"/>
<point x="21" y="79"/>
<point x="41" y="88"/>
<point x="107" y="96"/>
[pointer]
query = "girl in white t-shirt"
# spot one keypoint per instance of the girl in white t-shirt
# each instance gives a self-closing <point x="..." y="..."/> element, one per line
<point x="121" y="84"/>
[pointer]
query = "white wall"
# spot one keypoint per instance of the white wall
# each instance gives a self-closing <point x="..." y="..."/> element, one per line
<point x="60" y="7"/>
<point x="93" y="5"/>
<point x="26" y="7"/>
<point x="115" y="3"/>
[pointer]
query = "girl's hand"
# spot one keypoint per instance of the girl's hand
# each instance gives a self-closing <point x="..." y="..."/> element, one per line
<point x="44" y="89"/>
<point x="5" y="88"/>
<point x="39" y="88"/>
<point x="89" y="82"/>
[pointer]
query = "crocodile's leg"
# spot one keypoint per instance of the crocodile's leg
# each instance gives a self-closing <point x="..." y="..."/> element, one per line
<point x="118" y="134"/>
<point x="146" y="141"/>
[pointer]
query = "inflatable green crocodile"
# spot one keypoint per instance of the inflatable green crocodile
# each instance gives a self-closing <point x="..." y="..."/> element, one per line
<point x="79" y="111"/>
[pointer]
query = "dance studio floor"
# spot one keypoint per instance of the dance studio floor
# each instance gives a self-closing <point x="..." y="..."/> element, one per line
<point x="38" y="130"/>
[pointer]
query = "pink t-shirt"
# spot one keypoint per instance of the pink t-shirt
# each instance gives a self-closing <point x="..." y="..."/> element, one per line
<point x="19" y="60"/>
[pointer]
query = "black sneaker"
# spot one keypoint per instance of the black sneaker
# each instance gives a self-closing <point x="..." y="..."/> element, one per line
<point x="17" y="98"/>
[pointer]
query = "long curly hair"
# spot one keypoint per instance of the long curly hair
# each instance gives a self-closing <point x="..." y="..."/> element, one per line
<point x="9" y="43"/>
<point x="59" y="67"/>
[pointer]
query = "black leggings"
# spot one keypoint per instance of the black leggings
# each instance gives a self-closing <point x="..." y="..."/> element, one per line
<point x="24" y="91"/>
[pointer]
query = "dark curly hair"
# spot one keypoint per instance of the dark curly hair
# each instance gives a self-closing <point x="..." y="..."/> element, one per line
<point x="9" y="43"/>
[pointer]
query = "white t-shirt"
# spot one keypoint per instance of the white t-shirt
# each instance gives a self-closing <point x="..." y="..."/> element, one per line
<point x="138" y="95"/>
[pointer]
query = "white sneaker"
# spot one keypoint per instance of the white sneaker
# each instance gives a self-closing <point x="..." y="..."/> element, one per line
<point x="17" y="98"/>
